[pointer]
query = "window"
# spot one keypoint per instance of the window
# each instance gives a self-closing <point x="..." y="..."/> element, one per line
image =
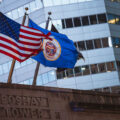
<point x="39" y="80"/>
<point x="45" y="78"/>
<point x="102" y="67"/>
<point x="69" y="73"/>
<point x="117" y="19"/>
<point x="38" y="4"/>
<point x="32" y="6"/>
<point x="94" y="68"/>
<point x="78" y="71"/>
<point x="105" y="42"/>
<point x="20" y="11"/>
<point x="9" y="14"/>
<point x="89" y="44"/>
<point x="5" y="68"/>
<point x="69" y="23"/>
<point x="61" y="75"/>
<point x="118" y="65"/>
<point x="17" y="65"/>
<point x="77" y="21"/>
<point x="75" y="44"/>
<point x="51" y="76"/>
<point x="15" y="14"/>
<point x="111" y="66"/>
<point x="29" y="61"/>
<point x="63" y="23"/>
<point x="85" y="69"/>
<point x="48" y="3"/>
<point x="113" y="19"/>
<point x="1" y="71"/>
<point x="116" y="42"/>
<point x="102" y="18"/>
<point x="81" y="45"/>
<point x="97" y="43"/>
<point x="93" y="19"/>
<point x="85" y="20"/>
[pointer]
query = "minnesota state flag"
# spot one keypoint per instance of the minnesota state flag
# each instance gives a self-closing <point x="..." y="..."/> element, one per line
<point x="58" y="50"/>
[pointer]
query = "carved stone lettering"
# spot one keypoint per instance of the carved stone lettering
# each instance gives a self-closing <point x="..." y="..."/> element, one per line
<point x="44" y="102"/>
<point x="18" y="100"/>
<point x="70" y="105"/>
<point x="11" y="100"/>
<point x="26" y="101"/>
<point x="4" y="99"/>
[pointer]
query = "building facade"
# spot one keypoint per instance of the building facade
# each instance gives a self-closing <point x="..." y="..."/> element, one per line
<point x="93" y="25"/>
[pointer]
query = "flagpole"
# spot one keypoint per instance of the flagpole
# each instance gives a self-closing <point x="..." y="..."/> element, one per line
<point x="14" y="61"/>
<point x="38" y="64"/>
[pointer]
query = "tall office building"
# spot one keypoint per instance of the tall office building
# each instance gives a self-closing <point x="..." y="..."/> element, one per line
<point x="93" y="25"/>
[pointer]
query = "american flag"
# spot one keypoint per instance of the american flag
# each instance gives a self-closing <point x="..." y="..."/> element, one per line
<point x="17" y="41"/>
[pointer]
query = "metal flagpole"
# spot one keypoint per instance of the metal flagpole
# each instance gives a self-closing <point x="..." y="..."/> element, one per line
<point x="38" y="64"/>
<point x="13" y="61"/>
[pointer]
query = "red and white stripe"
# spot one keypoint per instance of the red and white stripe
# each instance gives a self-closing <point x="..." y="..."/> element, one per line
<point x="29" y="44"/>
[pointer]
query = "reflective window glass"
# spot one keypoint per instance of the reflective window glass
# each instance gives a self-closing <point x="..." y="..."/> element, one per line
<point x="102" y="18"/>
<point x="81" y="45"/>
<point x="9" y="14"/>
<point x="116" y="42"/>
<point x="38" y="4"/>
<point x="15" y="14"/>
<point x="29" y="61"/>
<point x="69" y="23"/>
<point x="32" y="6"/>
<point x="5" y="68"/>
<point x="78" y="71"/>
<point x="89" y="44"/>
<point x="117" y="20"/>
<point x="61" y="75"/>
<point x="17" y="65"/>
<point x="94" y="68"/>
<point x="63" y="23"/>
<point x="51" y="76"/>
<point x="77" y="21"/>
<point x="26" y="82"/>
<point x="118" y="65"/>
<point x="65" y="2"/>
<point x="69" y="73"/>
<point x="97" y="43"/>
<point x="57" y="24"/>
<point x="45" y="78"/>
<point x="20" y="11"/>
<point x="102" y="67"/>
<point x="23" y="63"/>
<point x="111" y="19"/>
<point x="1" y="70"/>
<point x="93" y="19"/>
<point x="85" y="69"/>
<point x="48" y="3"/>
<point x="57" y="2"/>
<point x="105" y="42"/>
<point x="31" y="81"/>
<point x="111" y="66"/>
<point x="39" y="80"/>
<point x="9" y="64"/>
<point x="85" y="20"/>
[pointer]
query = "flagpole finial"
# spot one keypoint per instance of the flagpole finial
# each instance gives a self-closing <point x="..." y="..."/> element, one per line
<point x="26" y="9"/>
<point x="49" y="13"/>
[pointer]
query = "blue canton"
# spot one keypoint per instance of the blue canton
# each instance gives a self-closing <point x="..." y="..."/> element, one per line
<point x="9" y="27"/>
